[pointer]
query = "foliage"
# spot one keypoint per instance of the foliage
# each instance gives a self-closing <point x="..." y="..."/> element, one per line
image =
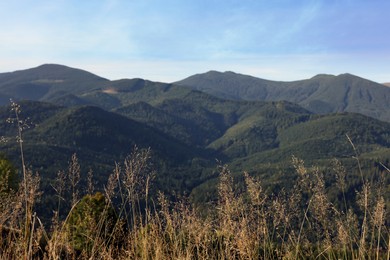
<point x="8" y="175"/>
<point x="91" y="219"/>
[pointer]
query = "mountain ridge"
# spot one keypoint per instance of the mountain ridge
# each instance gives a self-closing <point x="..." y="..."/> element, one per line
<point x="323" y="93"/>
<point x="320" y="94"/>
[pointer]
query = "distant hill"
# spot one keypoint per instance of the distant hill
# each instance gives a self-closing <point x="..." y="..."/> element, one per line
<point x="387" y="84"/>
<point x="320" y="94"/>
<point x="41" y="82"/>
<point x="67" y="86"/>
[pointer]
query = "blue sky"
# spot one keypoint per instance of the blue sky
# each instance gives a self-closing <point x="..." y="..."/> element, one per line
<point x="169" y="40"/>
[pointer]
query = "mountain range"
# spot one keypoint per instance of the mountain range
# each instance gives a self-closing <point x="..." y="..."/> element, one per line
<point x="320" y="94"/>
<point x="251" y="124"/>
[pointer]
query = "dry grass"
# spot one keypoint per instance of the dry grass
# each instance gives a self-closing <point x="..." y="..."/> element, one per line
<point x="246" y="224"/>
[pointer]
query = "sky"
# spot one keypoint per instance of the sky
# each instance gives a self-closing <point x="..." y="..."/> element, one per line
<point x="169" y="40"/>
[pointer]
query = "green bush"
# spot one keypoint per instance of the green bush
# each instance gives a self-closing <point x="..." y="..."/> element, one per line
<point x="91" y="220"/>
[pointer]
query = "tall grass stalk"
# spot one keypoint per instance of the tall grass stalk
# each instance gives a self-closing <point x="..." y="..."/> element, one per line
<point x="247" y="223"/>
<point x="30" y="183"/>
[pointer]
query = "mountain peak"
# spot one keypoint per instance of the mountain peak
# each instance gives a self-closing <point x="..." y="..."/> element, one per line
<point x="57" y="69"/>
<point x="46" y="79"/>
<point x="323" y="76"/>
<point x="52" y="66"/>
<point x="211" y="72"/>
<point x="346" y="75"/>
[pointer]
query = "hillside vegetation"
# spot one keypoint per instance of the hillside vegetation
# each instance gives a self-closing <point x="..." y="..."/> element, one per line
<point x="74" y="133"/>
<point x="320" y="94"/>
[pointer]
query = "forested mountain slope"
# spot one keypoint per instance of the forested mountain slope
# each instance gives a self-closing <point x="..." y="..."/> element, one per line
<point x="72" y="111"/>
<point x="320" y="94"/>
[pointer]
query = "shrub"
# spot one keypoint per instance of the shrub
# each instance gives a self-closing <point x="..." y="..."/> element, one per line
<point x="90" y="221"/>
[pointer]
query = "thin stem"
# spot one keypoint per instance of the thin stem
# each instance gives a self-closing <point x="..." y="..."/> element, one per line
<point x="16" y="109"/>
<point x="20" y="141"/>
<point x="31" y="237"/>
<point x="300" y="230"/>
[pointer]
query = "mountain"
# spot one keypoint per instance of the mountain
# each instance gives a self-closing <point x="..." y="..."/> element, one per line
<point x="320" y="94"/>
<point x="387" y="84"/>
<point x="100" y="139"/>
<point x="246" y="122"/>
<point x="41" y="82"/>
<point x="67" y="86"/>
<point x="91" y="129"/>
<point x="233" y="125"/>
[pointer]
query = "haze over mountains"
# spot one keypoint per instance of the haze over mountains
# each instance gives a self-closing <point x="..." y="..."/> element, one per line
<point x="250" y="123"/>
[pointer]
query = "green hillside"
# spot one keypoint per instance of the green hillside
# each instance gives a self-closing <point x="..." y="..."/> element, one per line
<point x="99" y="138"/>
<point x="320" y="94"/>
